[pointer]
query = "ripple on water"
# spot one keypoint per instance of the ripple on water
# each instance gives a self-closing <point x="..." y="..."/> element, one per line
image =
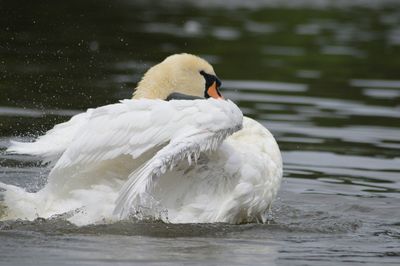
<point x="226" y="33"/>
<point x="374" y="83"/>
<point x="382" y="93"/>
<point x="284" y="50"/>
<point x="342" y="50"/>
<point x="290" y="219"/>
<point x="263" y="86"/>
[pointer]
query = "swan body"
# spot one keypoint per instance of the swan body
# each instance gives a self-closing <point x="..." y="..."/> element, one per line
<point x="182" y="161"/>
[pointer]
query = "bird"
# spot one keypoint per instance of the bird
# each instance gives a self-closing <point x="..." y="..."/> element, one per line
<point x="177" y="152"/>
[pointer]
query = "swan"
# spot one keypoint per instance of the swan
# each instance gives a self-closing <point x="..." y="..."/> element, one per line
<point x="177" y="151"/>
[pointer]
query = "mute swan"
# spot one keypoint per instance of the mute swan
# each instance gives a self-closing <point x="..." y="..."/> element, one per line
<point x="168" y="153"/>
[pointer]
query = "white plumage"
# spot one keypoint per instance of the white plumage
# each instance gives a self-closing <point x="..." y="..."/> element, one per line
<point x="173" y="160"/>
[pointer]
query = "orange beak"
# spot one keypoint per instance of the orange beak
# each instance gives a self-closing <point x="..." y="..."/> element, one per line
<point x="212" y="91"/>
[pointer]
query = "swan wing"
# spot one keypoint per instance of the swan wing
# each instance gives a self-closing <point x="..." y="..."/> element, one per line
<point x="52" y="145"/>
<point x="188" y="146"/>
<point x="133" y="127"/>
<point x="129" y="127"/>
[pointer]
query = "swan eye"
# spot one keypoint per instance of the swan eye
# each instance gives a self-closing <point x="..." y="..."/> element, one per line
<point x="212" y="86"/>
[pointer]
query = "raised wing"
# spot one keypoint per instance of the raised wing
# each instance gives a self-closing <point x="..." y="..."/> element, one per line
<point x="136" y="126"/>
<point x="130" y="127"/>
<point x="188" y="146"/>
<point x="178" y="129"/>
<point x="52" y="145"/>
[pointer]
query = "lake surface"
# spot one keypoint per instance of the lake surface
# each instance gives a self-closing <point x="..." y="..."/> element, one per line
<point x="323" y="76"/>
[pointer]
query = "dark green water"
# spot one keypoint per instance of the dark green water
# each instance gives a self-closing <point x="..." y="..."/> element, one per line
<point x="325" y="81"/>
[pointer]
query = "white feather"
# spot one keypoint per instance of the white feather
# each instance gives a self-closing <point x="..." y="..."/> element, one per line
<point x="51" y="145"/>
<point x="191" y="144"/>
<point x="154" y="149"/>
<point x="135" y="126"/>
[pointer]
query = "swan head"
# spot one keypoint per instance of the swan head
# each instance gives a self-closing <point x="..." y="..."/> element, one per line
<point x="179" y="74"/>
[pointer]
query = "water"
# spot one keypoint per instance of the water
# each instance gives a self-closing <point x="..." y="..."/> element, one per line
<point x="323" y="76"/>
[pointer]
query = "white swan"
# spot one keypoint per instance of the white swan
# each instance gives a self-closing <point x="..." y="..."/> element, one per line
<point x="166" y="154"/>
